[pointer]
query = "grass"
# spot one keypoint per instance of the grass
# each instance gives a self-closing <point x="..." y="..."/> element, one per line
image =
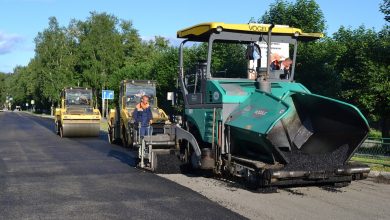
<point x="103" y="125"/>
<point x="375" y="163"/>
<point x="375" y="133"/>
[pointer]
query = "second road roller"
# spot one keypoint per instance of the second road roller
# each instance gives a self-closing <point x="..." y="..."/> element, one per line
<point x="76" y="116"/>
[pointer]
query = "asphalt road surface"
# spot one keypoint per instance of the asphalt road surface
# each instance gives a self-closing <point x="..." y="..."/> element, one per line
<point x="45" y="177"/>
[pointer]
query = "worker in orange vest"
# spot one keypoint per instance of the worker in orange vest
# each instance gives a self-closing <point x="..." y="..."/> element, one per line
<point x="143" y="115"/>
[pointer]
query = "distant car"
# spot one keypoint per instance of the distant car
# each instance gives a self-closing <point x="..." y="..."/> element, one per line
<point x="17" y="108"/>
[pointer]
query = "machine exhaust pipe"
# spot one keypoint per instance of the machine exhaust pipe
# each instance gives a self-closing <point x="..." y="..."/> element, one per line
<point x="262" y="82"/>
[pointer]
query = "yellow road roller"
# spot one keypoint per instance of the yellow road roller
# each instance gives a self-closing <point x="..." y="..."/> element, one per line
<point x="76" y="117"/>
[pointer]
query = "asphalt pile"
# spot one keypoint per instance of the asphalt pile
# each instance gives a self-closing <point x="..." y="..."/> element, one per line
<point x="299" y="160"/>
<point x="168" y="164"/>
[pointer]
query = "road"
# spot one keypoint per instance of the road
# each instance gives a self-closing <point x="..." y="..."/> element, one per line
<point x="365" y="199"/>
<point x="45" y="177"/>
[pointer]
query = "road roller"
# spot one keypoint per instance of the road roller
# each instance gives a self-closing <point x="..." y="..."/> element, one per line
<point x="158" y="150"/>
<point x="258" y="124"/>
<point x="76" y="116"/>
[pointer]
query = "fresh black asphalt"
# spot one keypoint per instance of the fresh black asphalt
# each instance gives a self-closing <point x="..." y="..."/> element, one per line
<point x="43" y="176"/>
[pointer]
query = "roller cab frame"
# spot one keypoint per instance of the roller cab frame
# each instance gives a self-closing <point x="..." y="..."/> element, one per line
<point x="163" y="136"/>
<point x="76" y="116"/>
<point x="267" y="130"/>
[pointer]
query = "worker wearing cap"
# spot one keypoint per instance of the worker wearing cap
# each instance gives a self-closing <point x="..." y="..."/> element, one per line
<point x="143" y="115"/>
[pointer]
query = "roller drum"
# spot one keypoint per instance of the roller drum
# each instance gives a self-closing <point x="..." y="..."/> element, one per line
<point x="81" y="129"/>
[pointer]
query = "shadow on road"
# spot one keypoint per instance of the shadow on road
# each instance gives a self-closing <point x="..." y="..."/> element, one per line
<point x="99" y="144"/>
<point x="123" y="157"/>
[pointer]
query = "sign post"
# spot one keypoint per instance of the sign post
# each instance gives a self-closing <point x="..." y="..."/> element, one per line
<point x="106" y="95"/>
<point x="33" y="105"/>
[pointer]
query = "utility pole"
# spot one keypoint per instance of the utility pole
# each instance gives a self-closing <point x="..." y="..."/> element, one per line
<point x="107" y="108"/>
<point x="102" y="103"/>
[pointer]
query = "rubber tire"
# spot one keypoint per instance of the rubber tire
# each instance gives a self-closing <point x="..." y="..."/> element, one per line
<point x="125" y="139"/>
<point x="61" y="132"/>
<point x="110" y="135"/>
<point x="56" y="129"/>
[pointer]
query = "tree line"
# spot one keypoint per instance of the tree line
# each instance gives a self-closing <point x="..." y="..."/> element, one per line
<point x="99" y="52"/>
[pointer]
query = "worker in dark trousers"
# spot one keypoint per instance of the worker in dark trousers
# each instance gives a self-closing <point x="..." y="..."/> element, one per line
<point x="142" y="115"/>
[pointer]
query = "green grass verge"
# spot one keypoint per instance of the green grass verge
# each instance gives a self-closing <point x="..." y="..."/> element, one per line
<point x="375" y="133"/>
<point x="375" y="163"/>
<point x="103" y="125"/>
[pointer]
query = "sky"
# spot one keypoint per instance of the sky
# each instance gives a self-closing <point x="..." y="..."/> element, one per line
<point x="21" y="20"/>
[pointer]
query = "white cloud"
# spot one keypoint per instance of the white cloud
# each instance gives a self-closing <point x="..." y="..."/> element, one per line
<point x="8" y="42"/>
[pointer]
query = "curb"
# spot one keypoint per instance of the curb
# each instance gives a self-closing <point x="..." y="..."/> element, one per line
<point x="375" y="174"/>
<point x="39" y="115"/>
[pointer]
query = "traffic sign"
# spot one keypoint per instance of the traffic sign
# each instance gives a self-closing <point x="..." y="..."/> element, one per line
<point x="108" y="94"/>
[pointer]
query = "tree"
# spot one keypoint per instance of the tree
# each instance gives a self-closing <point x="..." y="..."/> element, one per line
<point x="385" y="9"/>
<point x="365" y="72"/>
<point x="304" y="14"/>
<point x="228" y="60"/>
<point x="101" y="50"/>
<point x="3" y="94"/>
<point x="53" y="63"/>
<point x="316" y="67"/>
<point x="16" y="85"/>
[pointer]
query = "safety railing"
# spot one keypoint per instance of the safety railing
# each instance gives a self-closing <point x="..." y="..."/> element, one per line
<point x="374" y="152"/>
<point x="375" y="147"/>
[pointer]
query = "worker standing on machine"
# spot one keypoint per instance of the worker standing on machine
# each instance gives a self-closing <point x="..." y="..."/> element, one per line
<point x="142" y="116"/>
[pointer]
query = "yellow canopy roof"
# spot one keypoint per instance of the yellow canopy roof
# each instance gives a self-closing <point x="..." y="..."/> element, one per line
<point x="205" y="29"/>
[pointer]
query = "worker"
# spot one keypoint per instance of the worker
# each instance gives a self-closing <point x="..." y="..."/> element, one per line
<point x="275" y="61"/>
<point x="142" y="115"/>
<point x="286" y="67"/>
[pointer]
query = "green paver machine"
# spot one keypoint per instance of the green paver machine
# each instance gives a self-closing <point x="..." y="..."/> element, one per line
<point x="264" y="128"/>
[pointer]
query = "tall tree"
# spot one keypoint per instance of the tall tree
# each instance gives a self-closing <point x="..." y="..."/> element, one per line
<point x="2" y="89"/>
<point x="365" y="72"/>
<point x="101" y="51"/>
<point x="54" y="61"/>
<point x="304" y="14"/>
<point x="385" y="9"/>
